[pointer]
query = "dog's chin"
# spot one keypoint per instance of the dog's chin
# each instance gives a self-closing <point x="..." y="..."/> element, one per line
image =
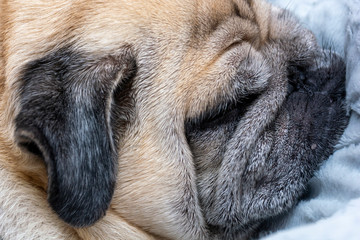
<point x="274" y="170"/>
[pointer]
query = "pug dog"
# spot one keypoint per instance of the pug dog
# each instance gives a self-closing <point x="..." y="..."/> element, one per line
<point x="157" y="119"/>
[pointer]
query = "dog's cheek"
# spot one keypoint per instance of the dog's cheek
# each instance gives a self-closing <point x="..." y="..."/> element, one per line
<point x="65" y="118"/>
<point x="208" y="146"/>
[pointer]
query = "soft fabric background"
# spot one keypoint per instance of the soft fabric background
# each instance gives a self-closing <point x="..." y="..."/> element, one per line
<point x="332" y="210"/>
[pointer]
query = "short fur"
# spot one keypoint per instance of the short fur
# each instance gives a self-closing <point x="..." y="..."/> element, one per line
<point x="155" y="119"/>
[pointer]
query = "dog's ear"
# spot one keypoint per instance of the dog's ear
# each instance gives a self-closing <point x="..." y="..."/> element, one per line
<point x="67" y="102"/>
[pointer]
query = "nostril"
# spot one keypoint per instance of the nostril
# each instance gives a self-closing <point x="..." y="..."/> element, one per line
<point x="290" y="88"/>
<point x="303" y="79"/>
<point x="297" y="77"/>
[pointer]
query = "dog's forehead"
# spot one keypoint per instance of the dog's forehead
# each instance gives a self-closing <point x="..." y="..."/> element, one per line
<point x="103" y="25"/>
<point x="171" y="28"/>
<point x="165" y="19"/>
<point x="166" y="11"/>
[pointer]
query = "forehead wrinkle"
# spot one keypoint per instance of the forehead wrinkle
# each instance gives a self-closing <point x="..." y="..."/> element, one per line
<point x="209" y="16"/>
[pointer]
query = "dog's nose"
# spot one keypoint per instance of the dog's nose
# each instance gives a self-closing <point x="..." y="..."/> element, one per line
<point x="296" y="79"/>
<point x="326" y="76"/>
<point x="297" y="75"/>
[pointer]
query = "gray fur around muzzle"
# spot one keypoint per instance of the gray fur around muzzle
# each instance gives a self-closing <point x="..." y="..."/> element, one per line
<point x="252" y="167"/>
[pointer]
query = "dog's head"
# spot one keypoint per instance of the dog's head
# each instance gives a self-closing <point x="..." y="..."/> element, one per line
<point x="191" y="110"/>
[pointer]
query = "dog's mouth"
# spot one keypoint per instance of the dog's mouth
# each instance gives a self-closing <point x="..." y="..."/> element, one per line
<point x="244" y="178"/>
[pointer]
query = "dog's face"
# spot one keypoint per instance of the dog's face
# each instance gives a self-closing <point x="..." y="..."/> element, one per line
<point x="192" y="118"/>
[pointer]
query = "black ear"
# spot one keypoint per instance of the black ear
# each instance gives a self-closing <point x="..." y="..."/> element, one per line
<point x="65" y="117"/>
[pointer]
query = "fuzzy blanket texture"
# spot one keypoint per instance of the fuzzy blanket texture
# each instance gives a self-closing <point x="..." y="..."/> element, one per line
<point x="332" y="209"/>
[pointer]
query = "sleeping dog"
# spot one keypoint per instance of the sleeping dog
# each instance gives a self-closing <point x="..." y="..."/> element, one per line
<point x="155" y="119"/>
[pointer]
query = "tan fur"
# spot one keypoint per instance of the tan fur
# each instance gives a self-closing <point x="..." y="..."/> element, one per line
<point x="183" y="47"/>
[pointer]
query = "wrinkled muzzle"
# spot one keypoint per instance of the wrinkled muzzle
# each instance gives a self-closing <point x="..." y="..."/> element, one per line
<point x="254" y="160"/>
